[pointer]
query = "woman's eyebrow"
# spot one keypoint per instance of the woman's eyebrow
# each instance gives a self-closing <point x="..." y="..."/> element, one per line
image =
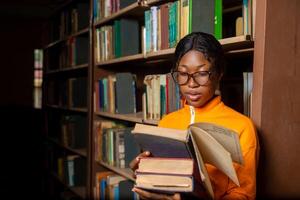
<point x="185" y="66"/>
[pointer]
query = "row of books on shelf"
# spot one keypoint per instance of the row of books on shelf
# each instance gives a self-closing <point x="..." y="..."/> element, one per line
<point x="71" y="20"/>
<point x="105" y="8"/>
<point x="72" y="52"/>
<point x="74" y="131"/>
<point x="161" y="96"/>
<point x="114" y="144"/>
<point x="117" y="40"/>
<point x="117" y="94"/>
<point x="112" y="186"/>
<point x="70" y="169"/>
<point x="70" y="93"/>
<point x="165" y="25"/>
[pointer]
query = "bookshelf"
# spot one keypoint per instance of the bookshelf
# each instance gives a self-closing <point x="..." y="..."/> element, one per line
<point x="141" y="64"/>
<point x="65" y="100"/>
<point x="62" y="72"/>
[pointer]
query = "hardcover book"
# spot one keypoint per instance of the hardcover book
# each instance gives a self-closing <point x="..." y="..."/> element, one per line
<point x="202" y="142"/>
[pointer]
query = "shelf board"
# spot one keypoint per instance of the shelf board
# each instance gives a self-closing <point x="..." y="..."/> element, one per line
<point x="160" y="53"/>
<point x="239" y="51"/>
<point x="131" y="10"/>
<point x="127" y="172"/>
<point x="133" y="117"/>
<point x="81" y="152"/>
<point x="122" y="59"/>
<point x="232" y="9"/>
<point x="83" y="110"/>
<point x="233" y="43"/>
<point x="156" y="2"/>
<point x="83" y="31"/>
<point x="79" y="191"/>
<point x="67" y="69"/>
<point x="237" y="42"/>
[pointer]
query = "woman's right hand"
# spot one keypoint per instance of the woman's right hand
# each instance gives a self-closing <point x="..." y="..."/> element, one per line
<point x="135" y="162"/>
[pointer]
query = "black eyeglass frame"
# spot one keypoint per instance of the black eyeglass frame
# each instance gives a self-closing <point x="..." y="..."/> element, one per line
<point x="190" y="76"/>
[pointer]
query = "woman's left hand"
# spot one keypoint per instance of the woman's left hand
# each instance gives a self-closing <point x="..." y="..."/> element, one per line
<point x="150" y="195"/>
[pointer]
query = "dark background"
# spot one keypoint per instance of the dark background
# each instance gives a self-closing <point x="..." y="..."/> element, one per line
<point x="21" y="26"/>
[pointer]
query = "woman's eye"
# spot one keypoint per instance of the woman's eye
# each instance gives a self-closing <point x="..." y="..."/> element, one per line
<point x="182" y="73"/>
<point x="201" y="74"/>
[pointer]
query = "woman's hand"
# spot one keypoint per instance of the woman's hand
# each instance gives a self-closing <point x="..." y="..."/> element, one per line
<point x="150" y="195"/>
<point x="135" y="162"/>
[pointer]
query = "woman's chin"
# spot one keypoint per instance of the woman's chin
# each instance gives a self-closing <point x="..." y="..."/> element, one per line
<point x="195" y="103"/>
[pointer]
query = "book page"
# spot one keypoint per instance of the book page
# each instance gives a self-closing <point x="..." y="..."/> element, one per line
<point x="202" y="169"/>
<point x="214" y="153"/>
<point x="227" y="138"/>
<point x="180" y="135"/>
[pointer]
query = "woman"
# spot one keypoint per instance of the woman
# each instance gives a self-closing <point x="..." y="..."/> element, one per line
<point x="198" y="71"/>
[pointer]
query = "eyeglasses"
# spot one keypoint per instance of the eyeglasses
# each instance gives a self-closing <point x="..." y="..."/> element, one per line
<point x="182" y="78"/>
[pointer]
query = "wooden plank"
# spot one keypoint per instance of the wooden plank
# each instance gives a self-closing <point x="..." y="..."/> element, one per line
<point x="131" y="10"/>
<point x="127" y="172"/>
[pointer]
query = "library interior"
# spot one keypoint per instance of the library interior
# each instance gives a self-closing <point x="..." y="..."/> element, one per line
<point x="97" y="80"/>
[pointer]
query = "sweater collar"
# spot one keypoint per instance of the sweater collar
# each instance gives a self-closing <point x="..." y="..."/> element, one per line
<point x="208" y="106"/>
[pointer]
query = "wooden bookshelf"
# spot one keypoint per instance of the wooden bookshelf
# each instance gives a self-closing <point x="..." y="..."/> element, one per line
<point x="81" y="152"/>
<point x="134" y="117"/>
<point x="128" y="173"/>
<point x="83" y="31"/>
<point x="266" y="58"/>
<point x="156" y="2"/>
<point x="68" y="69"/>
<point x="136" y="57"/>
<point x="231" y="45"/>
<point x="82" y="110"/>
<point x="67" y="64"/>
<point x="79" y="191"/>
<point x="243" y="44"/>
<point x="135" y="9"/>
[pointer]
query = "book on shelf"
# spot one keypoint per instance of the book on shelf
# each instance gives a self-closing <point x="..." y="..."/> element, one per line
<point x="118" y="146"/>
<point x="161" y="96"/>
<point x="125" y="93"/>
<point x="167" y="23"/>
<point x="112" y="186"/>
<point x="202" y="142"/>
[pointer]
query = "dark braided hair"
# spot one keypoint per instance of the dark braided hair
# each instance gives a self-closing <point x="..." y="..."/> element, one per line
<point x="206" y="44"/>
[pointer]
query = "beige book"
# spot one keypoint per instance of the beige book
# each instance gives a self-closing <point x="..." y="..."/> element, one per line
<point x="239" y="26"/>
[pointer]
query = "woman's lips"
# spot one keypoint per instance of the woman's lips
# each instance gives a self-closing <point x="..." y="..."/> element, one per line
<point x="193" y="97"/>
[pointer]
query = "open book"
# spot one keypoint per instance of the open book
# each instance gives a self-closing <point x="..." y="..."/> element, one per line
<point x="203" y="142"/>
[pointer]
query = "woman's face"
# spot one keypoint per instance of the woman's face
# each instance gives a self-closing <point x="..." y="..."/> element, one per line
<point x="196" y="95"/>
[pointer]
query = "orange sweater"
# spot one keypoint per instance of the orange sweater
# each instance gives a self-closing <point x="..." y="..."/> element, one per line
<point x="216" y="112"/>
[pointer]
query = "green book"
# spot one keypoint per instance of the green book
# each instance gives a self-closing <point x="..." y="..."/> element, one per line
<point x="172" y="25"/>
<point x="117" y="38"/>
<point x="218" y="19"/>
<point x="202" y="14"/>
<point x="147" y="16"/>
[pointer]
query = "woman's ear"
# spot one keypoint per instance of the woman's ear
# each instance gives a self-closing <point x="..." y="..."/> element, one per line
<point x="220" y="77"/>
<point x="217" y="86"/>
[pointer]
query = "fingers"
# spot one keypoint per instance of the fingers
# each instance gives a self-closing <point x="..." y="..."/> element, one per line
<point x="134" y="163"/>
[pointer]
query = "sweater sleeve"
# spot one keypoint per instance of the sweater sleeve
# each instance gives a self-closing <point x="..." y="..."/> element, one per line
<point x="246" y="173"/>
